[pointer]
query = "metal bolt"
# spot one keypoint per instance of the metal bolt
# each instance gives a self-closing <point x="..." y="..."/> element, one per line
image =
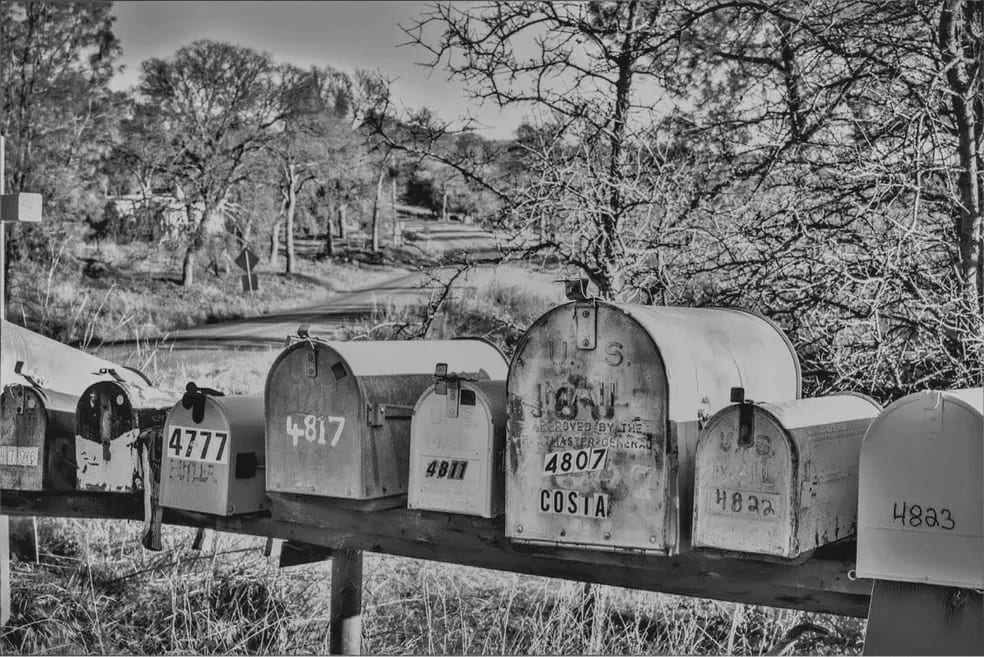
<point x="519" y="529"/>
<point x="585" y="313"/>
<point x="563" y="532"/>
<point x="652" y="539"/>
<point x="606" y="536"/>
<point x="310" y="357"/>
<point x="119" y="400"/>
<point x="586" y="342"/>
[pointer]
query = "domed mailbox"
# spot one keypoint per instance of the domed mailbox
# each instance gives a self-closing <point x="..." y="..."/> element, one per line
<point x="37" y="450"/>
<point x="604" y="404"/>
<point x="780" y="479"/>
<point x="338" y="413"/>
<point x="921" y="491"/>
<point x="213" y="454"/>
<point x="110" y="418"/>
<point x="457" y="441"/>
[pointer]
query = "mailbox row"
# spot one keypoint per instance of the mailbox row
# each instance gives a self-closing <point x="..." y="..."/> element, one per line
<point x="615" y="427"/>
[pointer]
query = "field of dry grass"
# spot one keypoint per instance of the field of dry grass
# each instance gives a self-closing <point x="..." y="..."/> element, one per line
<point x="97" y="591"/>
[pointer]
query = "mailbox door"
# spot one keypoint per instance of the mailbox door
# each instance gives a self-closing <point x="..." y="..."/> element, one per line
<point x="23" y="426"/>
<point x="315" y="424"/>
<point x="587" y="456"/>
<point x="746" y="491"/>
<point x="105" y="444"/>
<point x="453" y="456"/>
<point x="195" y="471"/>
<point x="920" y="494"/>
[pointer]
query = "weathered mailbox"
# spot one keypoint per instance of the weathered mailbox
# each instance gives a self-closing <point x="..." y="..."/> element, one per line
<point x="37" y="439"/>
<point x="780" y="479"/>
<point x="921" y="491"/>
<point x="457" y="444"/>
<point x="109" y="420"/>
<point x="338" y="413"/>
<point x="604" y="405"/>
<point x="213" y="454"/>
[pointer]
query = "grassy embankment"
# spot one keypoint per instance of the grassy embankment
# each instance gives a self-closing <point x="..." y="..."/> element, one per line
<point x="98" y="592"/>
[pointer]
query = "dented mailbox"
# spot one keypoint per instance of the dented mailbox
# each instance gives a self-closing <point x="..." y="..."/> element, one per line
<point x="338" y="413"/>
<point x="213" y="455"/>
<point x="604" y="404"/>
<point x="109" y="420"/>
<point x="37" y="442"/>
<point x="921" y="491"/>
<point x="457" y="441"/>
<point x="780" y="479"/>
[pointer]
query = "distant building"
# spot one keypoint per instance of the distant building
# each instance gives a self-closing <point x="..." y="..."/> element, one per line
<point x="173" y="210"/>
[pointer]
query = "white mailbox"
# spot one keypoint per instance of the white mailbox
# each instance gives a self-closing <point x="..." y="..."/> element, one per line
<point x="604" y="402"/>
<point x="457" y="441"/>
<point x="921" y="491"/>
<point x="780" y="479"/>
<point x="213" y="454"/>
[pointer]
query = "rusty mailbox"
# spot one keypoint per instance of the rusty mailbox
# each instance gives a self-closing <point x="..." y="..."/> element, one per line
<point x="213" y="454"/>
<point x="457" y="444"/>
<point x="338" y="413"/>
<point x="780" y="479"/>
<point x="604" y="405"/>
<point x="37" y="441"/>
<point x="921" y="491"/>
<point x="110" y="418"/>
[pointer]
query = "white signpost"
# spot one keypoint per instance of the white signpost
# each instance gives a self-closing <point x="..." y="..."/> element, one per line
<point x="23" y="207"/>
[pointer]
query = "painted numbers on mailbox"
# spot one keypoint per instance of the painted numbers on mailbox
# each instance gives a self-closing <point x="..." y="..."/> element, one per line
<point x="19" y="456"/>
<point x="198" y="444"/>
<point x="916" y="516"/>
<point x="573" y="503"/>
<point x="574" y="460"/>
<point x="759" y="505"/>
<point x="314" y="428"/>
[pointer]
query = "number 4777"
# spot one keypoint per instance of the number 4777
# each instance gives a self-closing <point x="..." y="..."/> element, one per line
<point x="314" y="428"/>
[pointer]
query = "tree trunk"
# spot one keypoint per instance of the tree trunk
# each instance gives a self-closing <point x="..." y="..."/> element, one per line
<point x="375" y="207"/>
<point x="444" y="207"/>
<point x="393" y="207"/>
<point x="289" y="225"/>
<point x="341" y="221"/>
<point x="188" y="268"/>
<point x="275" y="243"/>
<point x="956" y="42"/>
<point x="329" y="235"/>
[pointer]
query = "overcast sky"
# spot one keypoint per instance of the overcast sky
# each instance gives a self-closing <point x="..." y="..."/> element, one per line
<point x="344" y="35"/>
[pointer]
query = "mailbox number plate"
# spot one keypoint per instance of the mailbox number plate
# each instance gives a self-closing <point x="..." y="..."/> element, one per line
<point x="749" y="504"/>
<point x="322" y="429"/>
<point x="574" y="460"/>
<point x="19" y="456"/>
<point x="198" y="445"/>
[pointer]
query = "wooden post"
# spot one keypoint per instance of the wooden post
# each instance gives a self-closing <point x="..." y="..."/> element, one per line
<point x="345" y="623"/>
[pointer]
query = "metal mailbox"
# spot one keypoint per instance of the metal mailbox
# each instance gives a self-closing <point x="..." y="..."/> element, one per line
<point x="37" y="436"/>
<point x="109" y="420"/>
<point x="921" y="491"/>
<point x="457" y="445"/>
<point x="604" y="403"/>
<point x="338" y="413"/>
<point x="780" y="479"/>
<point x="213" y="455"/>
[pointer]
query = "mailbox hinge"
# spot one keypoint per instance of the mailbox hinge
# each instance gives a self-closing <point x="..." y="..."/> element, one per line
<point x="586" y="323"/>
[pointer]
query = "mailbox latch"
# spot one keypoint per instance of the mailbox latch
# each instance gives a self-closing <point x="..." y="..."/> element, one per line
<point x="746" y="417"/>
<point x="586" y="321"/>
<point x="377" y="413"/>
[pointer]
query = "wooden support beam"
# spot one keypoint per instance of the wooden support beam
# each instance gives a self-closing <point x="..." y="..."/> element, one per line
<point x="345" y="621"/>
<point x="818" y="584"/>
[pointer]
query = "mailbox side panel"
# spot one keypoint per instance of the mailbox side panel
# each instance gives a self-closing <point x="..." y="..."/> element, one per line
<point x="588" y="459"/>
<point x="315" y="424"/>
<point x="920" y="494"/>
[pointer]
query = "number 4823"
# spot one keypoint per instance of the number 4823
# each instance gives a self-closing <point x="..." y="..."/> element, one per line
<point x="916" y="515"/>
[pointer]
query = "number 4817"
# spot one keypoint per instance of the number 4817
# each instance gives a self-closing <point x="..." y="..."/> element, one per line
<point x="314" y="428"/>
